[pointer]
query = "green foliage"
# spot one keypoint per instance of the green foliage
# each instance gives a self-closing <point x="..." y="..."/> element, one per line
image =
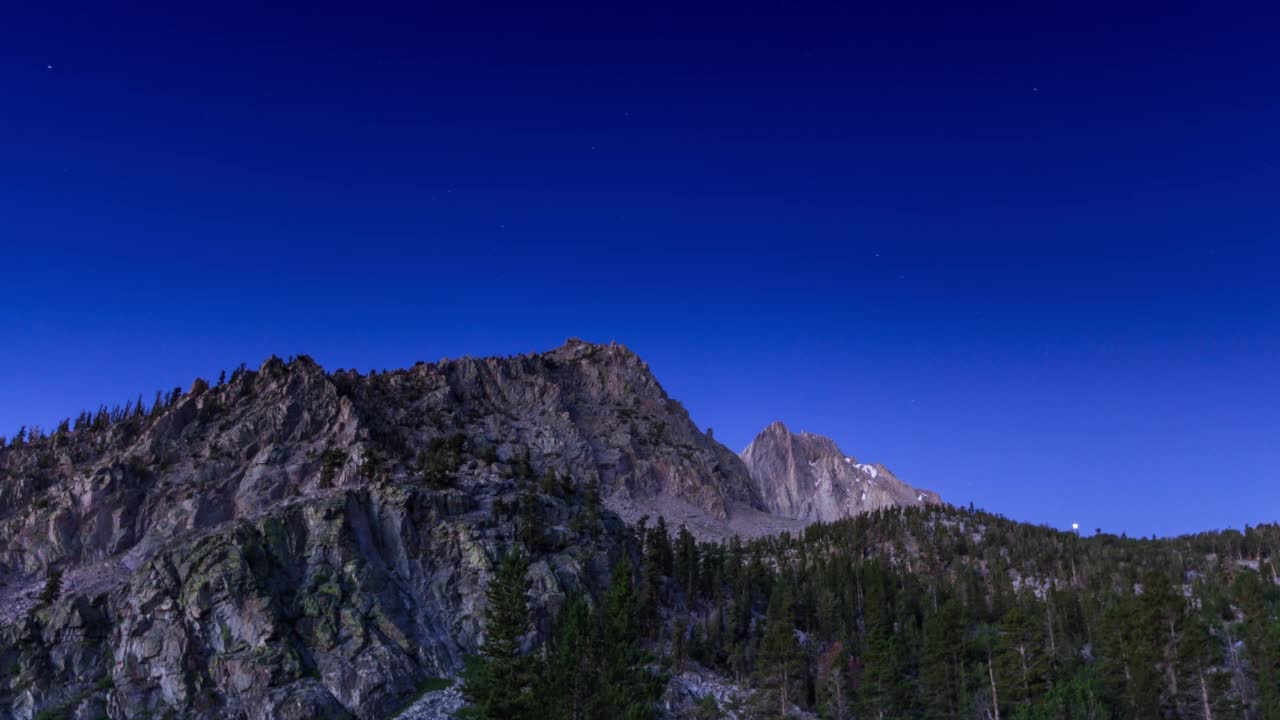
<point x="593" y="665"/>
<point x="499" y="683"/>
<point x="941" y="613"/>
<point x="330" y="463"/>
<point x="1077" y="698"/>
<point x="781" y="661"/>
<point x="442" y="458"/>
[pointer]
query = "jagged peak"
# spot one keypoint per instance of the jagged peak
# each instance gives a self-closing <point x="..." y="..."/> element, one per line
<point x="777" y="431"/>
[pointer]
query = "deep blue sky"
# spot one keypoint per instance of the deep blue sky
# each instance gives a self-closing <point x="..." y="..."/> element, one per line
<point x="1025" y="257"/>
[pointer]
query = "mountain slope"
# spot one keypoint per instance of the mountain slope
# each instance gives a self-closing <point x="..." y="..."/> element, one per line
<point x="807" y="477"/>
<point x="296" y="543"/>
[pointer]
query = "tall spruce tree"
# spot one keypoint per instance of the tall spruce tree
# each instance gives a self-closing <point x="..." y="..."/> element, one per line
<point x="780" y="664"/>
<point x="499" y="683"/>
<point x="941" y="663"/>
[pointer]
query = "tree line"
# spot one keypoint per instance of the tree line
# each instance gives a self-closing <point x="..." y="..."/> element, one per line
<point x="919" y="613"/>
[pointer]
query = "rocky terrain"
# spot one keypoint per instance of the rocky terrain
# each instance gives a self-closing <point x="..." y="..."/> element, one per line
<point x="807" y="477"/>
<point x="294" y="543"/>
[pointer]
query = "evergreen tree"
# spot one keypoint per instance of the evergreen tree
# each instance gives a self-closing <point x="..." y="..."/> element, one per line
<point x="781" y="660"/>
<point x="1260" y="605"/>
<point x="941" y="666"/>
<point x="686" y="561"/>
<point x="835" y="688"/>
<point x="881" y="690"/>
<point x="570" y="680"/>
<point x="1202" y="691"/>
<point x="1077" y="698"/>
<point x="1128" y="667"/>
<point x="499" y="683"/>
<point x="1021" y="663"/>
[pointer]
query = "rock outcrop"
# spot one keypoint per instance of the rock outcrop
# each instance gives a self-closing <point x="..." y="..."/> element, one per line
<point x="807" y="477"/>
<point x="294" y="543"/>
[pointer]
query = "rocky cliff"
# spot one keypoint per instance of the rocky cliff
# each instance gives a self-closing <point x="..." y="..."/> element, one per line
<point x="294" y="543"/>
<point x="807" y="477"/>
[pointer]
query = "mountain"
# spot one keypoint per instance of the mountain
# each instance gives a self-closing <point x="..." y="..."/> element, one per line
<point x="807" y="477"/>
<point x="291" y="543"/>
<point x="298" y="543"/>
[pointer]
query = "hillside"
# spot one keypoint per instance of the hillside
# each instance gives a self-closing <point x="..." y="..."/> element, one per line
<point x="292" y="542"/>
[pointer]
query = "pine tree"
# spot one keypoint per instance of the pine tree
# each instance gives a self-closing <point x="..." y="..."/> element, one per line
<point x="1021" y="663"/>
<point x="1127" y="666"/>
<point x="625" y="688"/>
<point x="941" y="670"/>
<point x="570" y="680"/>
<point x="686" y="561"/>
<point x="499" y="683"/>
<point x="679" y="644"/>
<point x="835" y="689"/>
<point x="1201" y="690"/>
<point x="1261" y="608"/>
<point x="880" y="687"/>
<point x="781" y="661"/>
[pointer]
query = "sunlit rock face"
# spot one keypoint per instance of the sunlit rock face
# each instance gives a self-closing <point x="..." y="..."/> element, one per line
<point x="808" y="477"/>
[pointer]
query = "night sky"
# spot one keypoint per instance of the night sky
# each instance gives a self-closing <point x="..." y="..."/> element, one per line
<point x="1027" y="258"/>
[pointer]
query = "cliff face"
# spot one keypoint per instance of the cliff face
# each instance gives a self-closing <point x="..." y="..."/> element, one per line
<point x="295" y="543"/>
<point x="807" y="477"/>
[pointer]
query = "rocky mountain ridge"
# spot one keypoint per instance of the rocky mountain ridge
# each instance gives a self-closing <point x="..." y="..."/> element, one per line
<point x="295" y="543"/>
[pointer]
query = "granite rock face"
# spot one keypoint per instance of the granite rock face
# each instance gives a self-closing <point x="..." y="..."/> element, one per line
<point x="295" y="543"/>
<point x="807" y="477"/>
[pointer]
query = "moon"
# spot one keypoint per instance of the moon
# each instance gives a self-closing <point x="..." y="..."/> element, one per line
<point x="1075" y="526"/>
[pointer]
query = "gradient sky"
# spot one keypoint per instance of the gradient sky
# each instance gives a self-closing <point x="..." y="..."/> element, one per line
<point x="1029" y="258"/>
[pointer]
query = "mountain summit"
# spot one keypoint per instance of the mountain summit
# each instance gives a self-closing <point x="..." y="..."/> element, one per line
<point x="807" y="477"/>
<point x="291" y="543"/>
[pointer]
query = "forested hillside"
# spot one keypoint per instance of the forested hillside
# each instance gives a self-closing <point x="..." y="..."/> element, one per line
<point x="937" y="612"/>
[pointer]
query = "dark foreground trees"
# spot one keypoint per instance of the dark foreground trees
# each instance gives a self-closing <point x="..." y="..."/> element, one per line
<point x="928" y="613"/>
<point x="592" y="666"/>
